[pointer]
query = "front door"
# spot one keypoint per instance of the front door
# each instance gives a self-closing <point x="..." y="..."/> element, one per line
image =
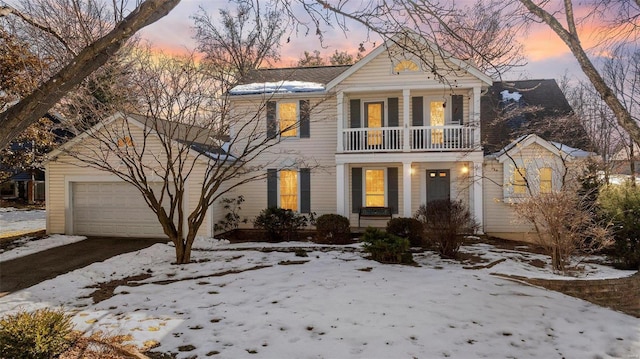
<point x="374" y="118"/>
<point x="438" y="185"/>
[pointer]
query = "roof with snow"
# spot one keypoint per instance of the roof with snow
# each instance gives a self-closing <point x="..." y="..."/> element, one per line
<point x="555" y="147"/>
<point x="288" y="80"/>
<point x="511" y="109"/>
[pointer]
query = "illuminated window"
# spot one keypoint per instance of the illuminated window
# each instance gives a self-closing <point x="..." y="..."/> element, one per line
<point x="374" y="188"/>
<point x="519" y="182"/>
<point x="289" y="190"/>
<point x="405" y="65"/>
<point x="545" y="180"/>
<point x="288" y="115"/>
<point x="436" y="116"/>
<point x="374" y="113"/>
<point x="125" y="141"/>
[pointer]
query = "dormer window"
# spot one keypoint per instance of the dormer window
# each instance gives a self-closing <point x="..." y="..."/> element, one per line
<point x="405" y="66"/>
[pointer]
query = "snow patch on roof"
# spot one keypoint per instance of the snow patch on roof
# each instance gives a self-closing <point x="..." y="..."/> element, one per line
<point x="506" y="95"/>
<point x="277" y="87"/>
<point x="575" y="152"/>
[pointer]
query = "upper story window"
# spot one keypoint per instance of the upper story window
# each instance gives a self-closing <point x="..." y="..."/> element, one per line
<point x="125" y="142"/>
<point x="405" y="66"/>
<point x="288" y="119"/>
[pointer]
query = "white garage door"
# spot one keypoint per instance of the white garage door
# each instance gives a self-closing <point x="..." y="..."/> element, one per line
<point x="114" y="209"/>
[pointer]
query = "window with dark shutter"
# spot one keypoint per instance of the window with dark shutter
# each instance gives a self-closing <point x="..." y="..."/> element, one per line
<point x="457" y="109"/>
<point x="305" y="190"/>
<point x="417" y="114"/>
<point x="305" y="119"/>
<point x="356" y="189"/>
<point x="272" y="124"/>
<point x="272" y="188"/>
<point x="394" y="116"/>
<point x="392" y="189"/>
<point x="354" y="106"/>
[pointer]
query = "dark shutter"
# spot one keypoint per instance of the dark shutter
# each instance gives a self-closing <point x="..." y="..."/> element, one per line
<point x="354" y="106"/>
<point x="272" y="124"/>
<point x="456" y="108"/>
<point x="394" y="116"/>
<point x="356" y="189"/>
<point x="272" y="188"/>
<point x="305" y="190"/>
<point x="392" y="189"/>
<point x="305" y="119"/>
<point x="417" y="115"/>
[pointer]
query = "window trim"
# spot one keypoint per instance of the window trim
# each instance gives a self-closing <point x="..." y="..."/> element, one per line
<point x="385" y="184"/>
<point x="298" y="189"/>
<point x="426" y="109"/>
<point x="296" y="126"/>
<point x="364" y="112"/>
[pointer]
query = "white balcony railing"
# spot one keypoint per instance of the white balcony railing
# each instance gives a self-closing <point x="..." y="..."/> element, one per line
<point x="423" y="138"/>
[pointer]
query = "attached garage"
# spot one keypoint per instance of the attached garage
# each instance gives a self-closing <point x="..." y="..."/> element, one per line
<point x="114" y="209"/>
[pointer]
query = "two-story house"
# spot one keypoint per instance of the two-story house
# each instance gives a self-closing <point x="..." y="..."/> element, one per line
<point x="389" y="131"/>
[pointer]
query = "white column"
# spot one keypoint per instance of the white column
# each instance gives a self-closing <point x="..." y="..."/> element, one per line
<point x="406" y="183"/>
<point x="340" y="122"/>
<point x="476" y="116"/>
<point x="341" y="194"/>
<point x="476" y="193"/>
<point x="405" y="119"/>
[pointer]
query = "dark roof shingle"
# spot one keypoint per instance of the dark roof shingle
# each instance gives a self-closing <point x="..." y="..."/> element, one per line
<point x="320" y="74"/>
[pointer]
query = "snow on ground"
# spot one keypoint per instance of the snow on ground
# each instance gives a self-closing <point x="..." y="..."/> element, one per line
<point x="28" y="245"/>
<point x="261" y="300"/>
<point x="15" y="220"/>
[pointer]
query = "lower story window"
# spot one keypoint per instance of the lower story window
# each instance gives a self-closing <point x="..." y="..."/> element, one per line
<point x="289" y="190"/>
<point x="374" y="188"/>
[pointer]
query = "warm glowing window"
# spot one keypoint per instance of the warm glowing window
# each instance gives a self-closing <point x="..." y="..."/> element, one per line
<point x="374" y="115"/>
<point x="436" y="116"/>
<point x="288" y="115"/>
<point x="374" y="188"/>
<point x="545" y="180"/>
<point x="406" y="65"/>
<point x="289" y="190"/>
<point x="125" y="141"/>
<point x="519" y="182"/>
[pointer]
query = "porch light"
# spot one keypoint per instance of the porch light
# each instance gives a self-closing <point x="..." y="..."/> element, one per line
<point x="412" y="171"/>
<point x="465" y="169"/>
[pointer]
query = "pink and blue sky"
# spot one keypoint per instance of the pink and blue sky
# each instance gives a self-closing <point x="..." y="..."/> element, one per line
<point x="545" y="53"/>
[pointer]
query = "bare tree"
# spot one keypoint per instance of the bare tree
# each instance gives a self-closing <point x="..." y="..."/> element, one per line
<point x="240" y="41"/>
<point x="181" y="148"/>
<point x="82" y="61"/>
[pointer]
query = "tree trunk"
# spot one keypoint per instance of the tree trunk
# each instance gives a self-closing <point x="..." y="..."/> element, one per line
<point x="18" y="117"/>
<point x="623" y="116"/>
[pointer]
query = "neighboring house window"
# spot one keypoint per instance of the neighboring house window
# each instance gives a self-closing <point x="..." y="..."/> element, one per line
<point x="546" y="182"/>
<point x="374" y="192"/>
<point x="519" y="181"/>
<point x="288" y="116"/>
<point x="406" y="66"/>
<point x="289" y="189"/>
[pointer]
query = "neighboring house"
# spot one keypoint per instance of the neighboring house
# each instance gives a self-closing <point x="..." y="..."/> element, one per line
<point x="382" y="133"/>
<point x="82" y="200"/>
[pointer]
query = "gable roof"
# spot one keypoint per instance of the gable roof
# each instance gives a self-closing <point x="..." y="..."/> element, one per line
<point x="514" y="108"/>
<point x="525" y="141"/>
<point x="199" y="139"/>
<point x="415" y="38"/>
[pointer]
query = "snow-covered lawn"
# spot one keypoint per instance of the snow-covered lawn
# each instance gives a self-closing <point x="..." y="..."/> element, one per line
<point x="13" y="220"/>
<point x="241" y="301"/>
<point x="28" y="245"/>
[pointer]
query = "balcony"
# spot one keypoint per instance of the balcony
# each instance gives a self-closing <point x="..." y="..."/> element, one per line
<point x="410" y="139"/>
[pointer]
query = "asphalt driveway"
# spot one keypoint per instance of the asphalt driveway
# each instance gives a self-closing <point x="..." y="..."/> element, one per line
<point x="23" y="272"/>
